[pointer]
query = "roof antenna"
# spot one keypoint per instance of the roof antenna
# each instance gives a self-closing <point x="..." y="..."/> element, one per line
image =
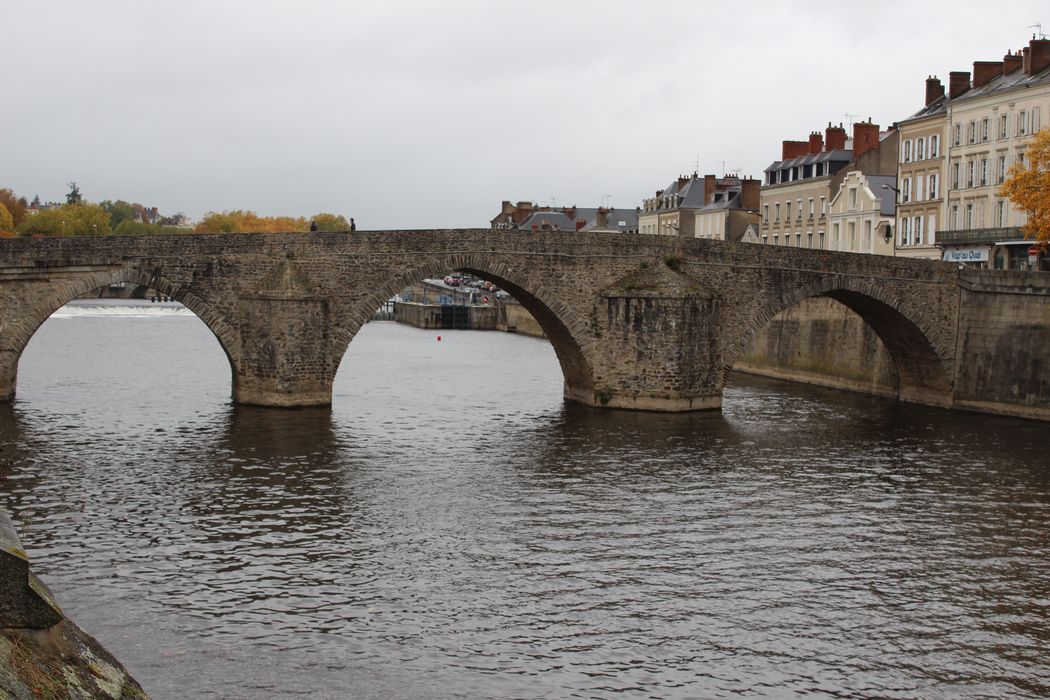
<point x="850" y="117"/>
<point x="1038" y="31"/>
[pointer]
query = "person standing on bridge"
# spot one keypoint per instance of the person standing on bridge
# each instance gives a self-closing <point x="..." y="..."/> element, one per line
<point x="313" y="225"/>
<point x="353" y="226"/>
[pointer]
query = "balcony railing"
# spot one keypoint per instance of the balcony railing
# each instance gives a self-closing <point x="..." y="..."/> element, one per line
<point x="980" y="235"/>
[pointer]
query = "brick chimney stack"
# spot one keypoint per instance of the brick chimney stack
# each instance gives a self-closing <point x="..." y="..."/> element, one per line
<point x="983" y="71"/>
<point x="958" y="83"/>
<point x="865" y="138"/>
<point x="1011" y="62"/>
<point x="749" y="193"/>
<point x="834" y="138"/>
<point x="1026" y="62"/>
<point x="710" y="182"/>
<point x="1039" y="55"/>
<point x="934" y="90"/>
<point x="816" y="143"/>
<point x="794" y="149"/>
<point x="682" y="182"/>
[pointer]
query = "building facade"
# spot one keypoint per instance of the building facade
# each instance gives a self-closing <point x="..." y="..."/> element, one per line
<point x="921" y="173"/>
<point x="991" y="120"/>
<point x="861" y="214"/>
<point x="525" y="216"/>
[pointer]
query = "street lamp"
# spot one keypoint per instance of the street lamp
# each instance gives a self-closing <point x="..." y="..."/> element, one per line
<point x="889" y="232"/>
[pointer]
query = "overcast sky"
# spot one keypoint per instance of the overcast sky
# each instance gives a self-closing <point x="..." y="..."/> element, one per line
<point x="428" y="114"/>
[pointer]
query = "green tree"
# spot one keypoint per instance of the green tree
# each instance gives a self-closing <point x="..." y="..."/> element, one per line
<point x="74" y="196"/>
<point x="119" y="212"/>
<point x="331" y="222"/>
<point x="7" y="222"/>
<point x="16" y="206"/>
<point x="68" y="220"/>
<point x="1028" y="187"/>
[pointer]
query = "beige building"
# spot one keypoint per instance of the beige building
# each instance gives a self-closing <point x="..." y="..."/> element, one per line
<point x="861" y="214"/>
<point x="921" y="173"/>
<point x="798" y="188"/>
<point x="991" y="121"/>
<point x="707" y="207"/>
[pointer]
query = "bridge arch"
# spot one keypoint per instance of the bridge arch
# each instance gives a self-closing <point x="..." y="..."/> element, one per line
<point x="924" y="363"/>
<point x="564" y="329"/>
<point x="24" y="319"/>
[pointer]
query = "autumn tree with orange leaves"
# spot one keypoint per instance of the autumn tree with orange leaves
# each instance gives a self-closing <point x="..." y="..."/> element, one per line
<point x="1028" y="187"/>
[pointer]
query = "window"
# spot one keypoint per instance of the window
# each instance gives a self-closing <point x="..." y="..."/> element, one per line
<point x="798" y="211"/>
<point x="835" y="236"/>
<point x="852" y="197"/>
<point x="906" y="191"/>
<point x="971" y="132"/>
<point x="934" y="145"/>
<point x="765" y="213"/>
<point x="823" y="207"/>
<point x="1000" y="169"/>
<point x="956" y="134"/>
<point x="969" y="216"/>
<point x="852" y="228"/>
<point x="1004" y="132"/>
<point x="904" y="231"/>
<point x="984" y="129"/>
<point x="907" y="151"/>
<point x="867" y="235"/>
<point x="787" y="211"/>
<point x="1000" y="213"/>
<point x="776" y="213"/>
<point x="972" y="173"/>
<point x="920" y="149"/>
<point x="918" y="229"/>
<point x="984" y="172"/>
<point x="931" y="228"/>
<point x="920" y="192"/>
<point x="811" y="208"/>
<point x="955" y="175"/>
<point x="955" y="216"/>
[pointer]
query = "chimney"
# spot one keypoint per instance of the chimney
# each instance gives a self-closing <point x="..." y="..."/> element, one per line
<point x="934" y="90"/>
<point x="682" y="182"/>
<point x="816" y="143"/>
<point x="1011" y="62"/>
<point x="601" y="220"/>
<point x="1026" y="63"/>
<point x="834" y="138"/>
<point x="709" y="188"/>
<point x="983" y="71"/>
<point x="1039" y="55"/>
<point x="794" y="149"/>
<point x="749" y="194"/>
<point x="958" y="83"/>
<point x="865" y="138"/>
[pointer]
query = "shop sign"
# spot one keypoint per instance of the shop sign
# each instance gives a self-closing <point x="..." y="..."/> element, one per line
<point x="966" y="255"/>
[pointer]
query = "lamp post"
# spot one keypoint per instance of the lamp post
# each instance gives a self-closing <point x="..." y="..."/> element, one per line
<point x="889" y="233"/>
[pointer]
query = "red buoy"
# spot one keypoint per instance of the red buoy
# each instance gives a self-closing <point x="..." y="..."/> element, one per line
<point x="439" y="338"/>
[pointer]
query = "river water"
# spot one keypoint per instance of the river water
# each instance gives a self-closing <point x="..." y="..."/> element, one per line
<point x="452" y="529"/>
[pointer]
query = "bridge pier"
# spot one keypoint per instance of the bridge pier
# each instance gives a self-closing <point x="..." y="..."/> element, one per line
<point x="660" y="346"/>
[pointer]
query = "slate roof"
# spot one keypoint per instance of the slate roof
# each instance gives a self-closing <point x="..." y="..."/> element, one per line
<point x="887" y="197"/>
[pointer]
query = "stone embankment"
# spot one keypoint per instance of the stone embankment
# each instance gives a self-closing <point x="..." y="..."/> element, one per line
<point x="42" y="653"/>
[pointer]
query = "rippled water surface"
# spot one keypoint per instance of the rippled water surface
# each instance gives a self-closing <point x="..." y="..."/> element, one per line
<point x="452" y="529"/>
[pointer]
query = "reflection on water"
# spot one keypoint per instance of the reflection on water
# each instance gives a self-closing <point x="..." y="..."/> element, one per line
<point x="451" y="528"/>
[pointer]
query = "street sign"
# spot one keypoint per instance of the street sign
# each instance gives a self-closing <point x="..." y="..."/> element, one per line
<point x="1034" y="251"/>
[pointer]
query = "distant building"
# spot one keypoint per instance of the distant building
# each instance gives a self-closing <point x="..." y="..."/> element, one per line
<point x="525" y="216"/>
<point x="861" y="214"/>
<point x="695" y="207"/>
<point x="798" y="188"/>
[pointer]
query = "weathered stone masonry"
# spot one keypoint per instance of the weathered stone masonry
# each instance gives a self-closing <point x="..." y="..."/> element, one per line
<point x="644" y="322"/>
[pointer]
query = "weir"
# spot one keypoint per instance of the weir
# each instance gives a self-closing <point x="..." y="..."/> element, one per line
<point x="637" y="322"/>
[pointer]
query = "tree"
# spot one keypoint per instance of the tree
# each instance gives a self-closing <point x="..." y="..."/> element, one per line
<point x="119" y="212"/>
<point x="1028" y="187"/>
<point x="239" y="221"/>
<point x="74" y="196"/>
<point x="331" y="222"/>
<point x="68" y="220"/>
<point x="7" y="222"/>
<point x="16" y="206"/>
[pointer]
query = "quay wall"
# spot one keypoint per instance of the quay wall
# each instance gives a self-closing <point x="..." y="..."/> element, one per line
<point x="822" y="342"/>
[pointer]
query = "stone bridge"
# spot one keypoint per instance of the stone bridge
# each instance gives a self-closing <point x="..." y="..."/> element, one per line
<point x="638" y="322"/>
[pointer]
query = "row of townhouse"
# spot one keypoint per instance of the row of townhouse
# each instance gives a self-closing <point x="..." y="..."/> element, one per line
<point x="928" y="187"/>
<point x="702" y="207"/>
